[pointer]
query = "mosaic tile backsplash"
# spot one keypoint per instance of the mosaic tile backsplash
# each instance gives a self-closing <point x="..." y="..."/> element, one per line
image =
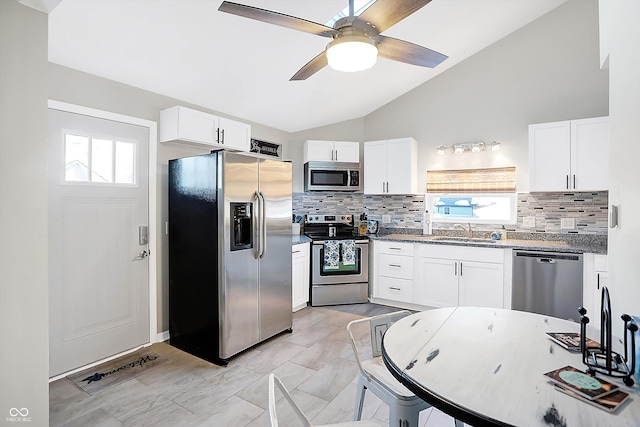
<point x="588" y="209"/>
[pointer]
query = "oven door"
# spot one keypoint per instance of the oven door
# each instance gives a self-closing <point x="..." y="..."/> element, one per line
<point x="347" y="274"/>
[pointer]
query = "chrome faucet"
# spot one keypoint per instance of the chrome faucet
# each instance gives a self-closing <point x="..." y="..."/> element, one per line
<point x="467" y="230"/>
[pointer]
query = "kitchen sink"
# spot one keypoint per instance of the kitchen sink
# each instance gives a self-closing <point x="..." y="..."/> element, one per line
<point x="463" y="239"/>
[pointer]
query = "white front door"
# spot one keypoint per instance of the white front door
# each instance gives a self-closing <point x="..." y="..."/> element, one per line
<point x="98" y="239"/>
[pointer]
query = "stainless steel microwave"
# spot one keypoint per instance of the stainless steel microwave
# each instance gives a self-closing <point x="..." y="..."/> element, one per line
<point x="332" y="176"/>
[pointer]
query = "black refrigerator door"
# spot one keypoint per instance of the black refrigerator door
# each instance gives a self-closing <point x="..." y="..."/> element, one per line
<point x="193" y="255"/>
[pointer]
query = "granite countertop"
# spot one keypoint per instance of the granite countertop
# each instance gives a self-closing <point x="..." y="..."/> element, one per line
<point x="298" y="239"/>
<point x="596" y="244"/>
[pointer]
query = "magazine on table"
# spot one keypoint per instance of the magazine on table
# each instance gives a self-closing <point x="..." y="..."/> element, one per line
<point x="571" y="340"/>
<point x="610" y="403"/>
<point x="580" y="383"/>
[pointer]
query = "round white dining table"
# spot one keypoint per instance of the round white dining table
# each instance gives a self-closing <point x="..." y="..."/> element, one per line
<point x="486" y="366"/>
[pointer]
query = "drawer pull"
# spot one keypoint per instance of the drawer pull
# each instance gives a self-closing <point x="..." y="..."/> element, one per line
<point x="396" y="249"/>
<point x="296" y="252"/>
<point x="395" y="265"/>
<point x="395" y="289"/>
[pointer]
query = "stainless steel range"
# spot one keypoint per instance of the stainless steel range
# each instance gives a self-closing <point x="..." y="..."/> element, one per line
<point x="339" y="260"/>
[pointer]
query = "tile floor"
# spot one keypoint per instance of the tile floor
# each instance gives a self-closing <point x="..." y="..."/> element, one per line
<point x="315" y="362"/>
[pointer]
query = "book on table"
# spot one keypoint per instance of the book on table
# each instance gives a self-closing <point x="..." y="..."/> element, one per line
<point x="580" y="383"/>
<point x="610" y="402"/>
<point x="571" y="340"/>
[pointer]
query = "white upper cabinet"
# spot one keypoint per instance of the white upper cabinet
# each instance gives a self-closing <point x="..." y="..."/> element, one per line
<point x="331" y="151"/>
<point x="201" y="129"/>
<point x="234" y="135"/>
<point x="569" y="156"/>
<point x="390" y="166"/>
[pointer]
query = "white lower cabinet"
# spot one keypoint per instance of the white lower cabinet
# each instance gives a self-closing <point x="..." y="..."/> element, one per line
<point x="480" y="284"/>
<point x="394" y="271"/>
<point x="442" y="276"/>
<point x="300" y="276"/>
<point x="459" y="276"/>
<point x="437" y="282"/>
<point x="595" y="278"/>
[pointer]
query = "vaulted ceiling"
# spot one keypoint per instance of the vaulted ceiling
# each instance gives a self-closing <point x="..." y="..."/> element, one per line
<point x="188" y="50"/>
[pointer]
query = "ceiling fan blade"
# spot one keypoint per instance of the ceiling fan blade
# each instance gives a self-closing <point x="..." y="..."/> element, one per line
<point x="385" y="13"/>
<point x="276" y="18"/>
<point x="400" y="50"/>
<point x="312" y="67"/>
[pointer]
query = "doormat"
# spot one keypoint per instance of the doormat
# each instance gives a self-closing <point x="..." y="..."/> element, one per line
<point x="101" y="377"/>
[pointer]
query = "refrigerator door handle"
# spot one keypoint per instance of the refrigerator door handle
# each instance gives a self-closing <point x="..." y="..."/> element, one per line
<point x="263" y="224"/>
<point x="257" y="225"/>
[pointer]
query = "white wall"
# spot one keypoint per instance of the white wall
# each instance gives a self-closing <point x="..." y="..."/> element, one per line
<point x="546" y="71"/>
<point x="24" y="326"/>
<point x="624" y="101"/>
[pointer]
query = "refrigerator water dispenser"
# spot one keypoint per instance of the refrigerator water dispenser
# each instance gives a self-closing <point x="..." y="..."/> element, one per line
<point x="241" y="226"/>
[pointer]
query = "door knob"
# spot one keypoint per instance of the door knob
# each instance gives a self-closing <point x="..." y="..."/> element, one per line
<point x="142" y="255"/>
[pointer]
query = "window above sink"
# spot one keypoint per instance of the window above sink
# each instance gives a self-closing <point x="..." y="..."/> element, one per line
<point x="476" y="196"/>
<point x="473" y="208"/>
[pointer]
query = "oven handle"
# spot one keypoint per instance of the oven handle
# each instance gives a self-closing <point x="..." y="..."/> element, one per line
<point x="358" y="242"/>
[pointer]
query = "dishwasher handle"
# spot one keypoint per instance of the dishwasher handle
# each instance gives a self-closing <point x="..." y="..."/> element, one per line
<point x="545" y="261"/>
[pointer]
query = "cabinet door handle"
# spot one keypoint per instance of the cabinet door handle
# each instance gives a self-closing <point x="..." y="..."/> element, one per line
<point x="395" y="289"/>
<point x="336" y="155"/>
<point x="223" y="136"/>
<point x="574" y="181"/>
<point x="567" y="182"/>
<point x="460" y="268"/>
<point x="395" y="265"/>
<point x="218" y="135"/>
<point x="383" y="186"/>
<point x="598" y="281"/>
<point x="455" y="268"/>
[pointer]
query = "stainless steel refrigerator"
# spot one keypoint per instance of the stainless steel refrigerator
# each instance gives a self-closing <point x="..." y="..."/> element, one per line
<point x="229" y="253"/>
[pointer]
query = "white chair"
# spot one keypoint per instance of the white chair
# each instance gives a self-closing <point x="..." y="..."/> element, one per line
<point x="275" y="381"/>
<point x="404" y="406"/>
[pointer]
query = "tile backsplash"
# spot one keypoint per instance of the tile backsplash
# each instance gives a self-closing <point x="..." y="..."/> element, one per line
<point x="588" y="209"/>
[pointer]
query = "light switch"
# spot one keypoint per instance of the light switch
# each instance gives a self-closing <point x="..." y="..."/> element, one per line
<point x="529" y="222"/>
<point x="567" y="223"/>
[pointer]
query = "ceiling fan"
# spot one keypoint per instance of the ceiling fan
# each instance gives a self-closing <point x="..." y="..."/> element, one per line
<point x="356" y="39"/>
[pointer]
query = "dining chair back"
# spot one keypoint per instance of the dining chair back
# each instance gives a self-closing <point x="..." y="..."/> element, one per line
<point x="404" y="406"/>
<point x="274" y="382"/>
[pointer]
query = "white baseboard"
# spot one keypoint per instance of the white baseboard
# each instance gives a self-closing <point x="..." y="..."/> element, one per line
<point x="162" y="336"/>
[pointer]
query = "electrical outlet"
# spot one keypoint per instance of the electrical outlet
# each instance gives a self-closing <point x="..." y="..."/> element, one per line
<point x="386" y="219"/>
<point x="567" y="223"/>
<point x="529" y="222"/>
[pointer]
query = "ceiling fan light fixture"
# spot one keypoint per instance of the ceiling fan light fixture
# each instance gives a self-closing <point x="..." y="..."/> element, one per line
<point x="352" y="53"/>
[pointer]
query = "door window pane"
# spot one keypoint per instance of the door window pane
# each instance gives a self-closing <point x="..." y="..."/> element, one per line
<point x="125" y="161"/>
<point x="76" y="158"/>
<point x="101" y="160"/>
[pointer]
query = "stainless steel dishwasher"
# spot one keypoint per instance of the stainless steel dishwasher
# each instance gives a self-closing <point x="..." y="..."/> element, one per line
<point x="547" y="283"/>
